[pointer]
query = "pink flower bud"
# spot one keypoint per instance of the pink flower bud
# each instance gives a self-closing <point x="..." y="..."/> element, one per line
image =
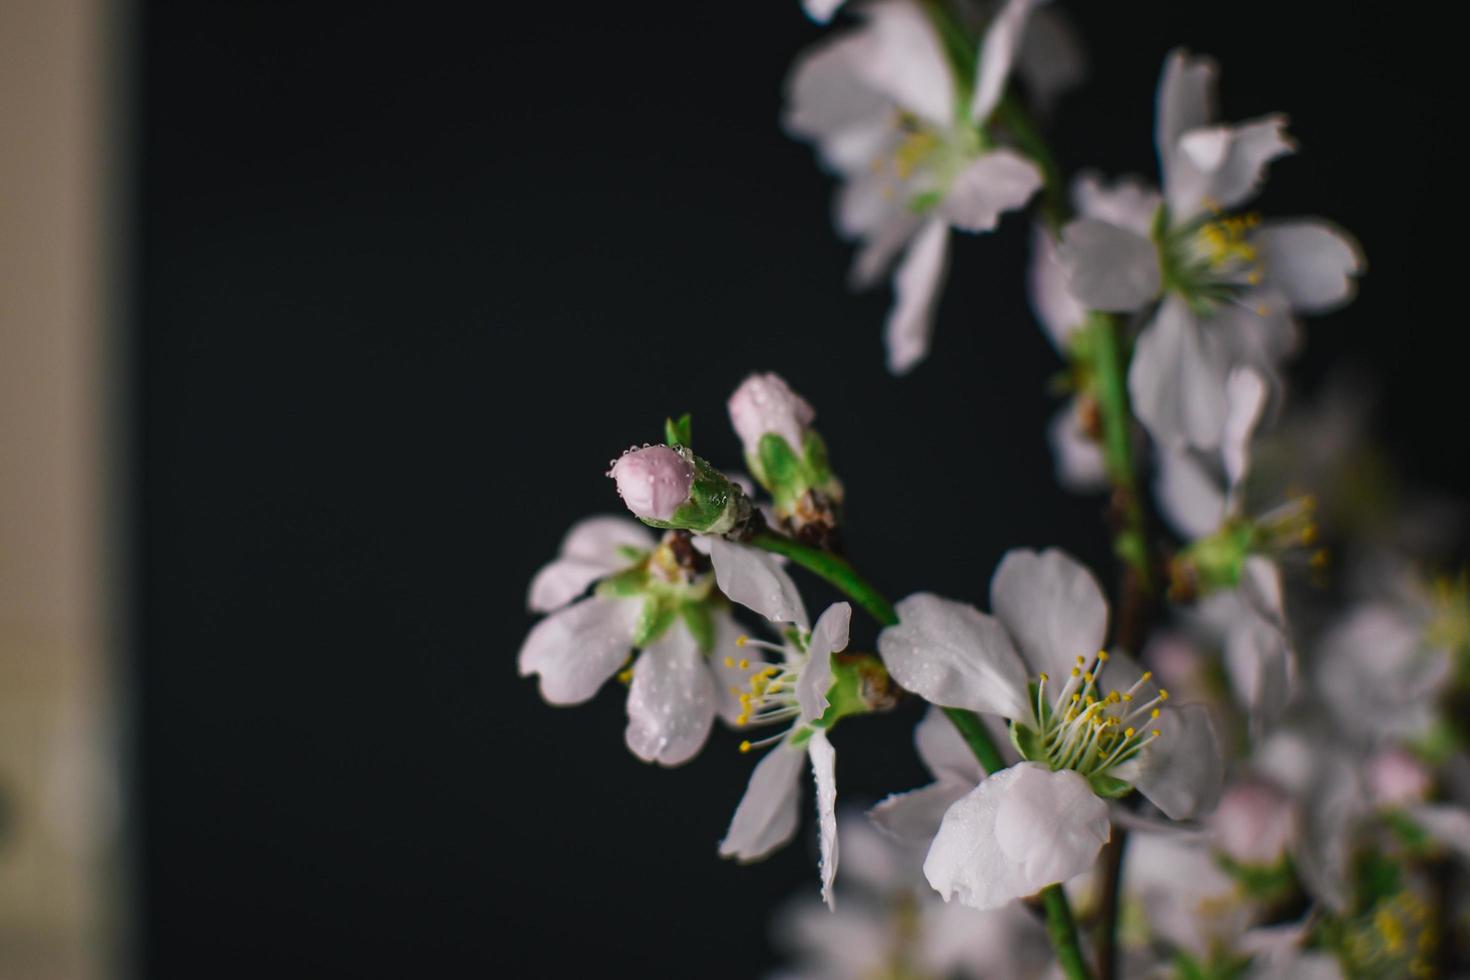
<point x="653" y="481"/>
<point x="1253" y="823"/>
<point x="1396" y="778"/>
<point x="764" y="403"/>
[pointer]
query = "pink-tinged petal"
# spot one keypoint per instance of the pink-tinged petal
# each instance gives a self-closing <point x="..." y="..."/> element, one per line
<point x="589" y="552"/>
<point x="997" y="53"/>
<point x="764" y="403"/>
<point x="1080" y="466"/>
<point x="653" y="481"/>
<point x="1189" y="495"/>
<point x="1254" y="822"/>
<point x="914" y="817"/>
<point x="767" y="816"/>
<point x="756" y="580"/>
<point x="1108" y="267"/>
<point x="1127" y="202"/>
<point x="1052" y="606"/>
<point x="953" y="655"/>
<point x="916" y="292"/>
<point x="828" y="104"/>
<point x="995" y="183"/>
<point x="820" y="11"/>
<point x="671" y="702"/>
<point x="1022" y="829"/>
<point x="578" y="648"/>
<point x="828" y="637"/>
<point x="1312" y="262"/>
<point x="1186" y="99"/>
<point x="1177" y="388"/>
<point x="824" y="771"/>
<point x="1181" y="772"/>
<point x="902" y="57"/>
<point x="1060" y="313"/>
<point x="945" y="752"/>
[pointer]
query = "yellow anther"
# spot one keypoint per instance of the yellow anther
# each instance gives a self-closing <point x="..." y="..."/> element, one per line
<point x="744" y="697"/>
<point x="744" y="746"/>
<point x="1163" y="694"/>
<point x="1157" y="733"/>
<point x="1127" y="697"/>
<point x="744" y="664"/>
<point x="1076" y="672"/>
<point x="1128" y="732"/>
<point x="772" y="671"/>
<point x="1087" y="677"/>
<point x="1154" y="713"/>
<point x="1102" y="655"/>
<point x="741" y="640"/>
<point x="739" y="693"/>
<point x="775" y="686"/>
<point x="1309" y="535"/>
<point x="626" y="676"/>
<point x="1148" y="675"/>
<point x="729" y="661"/>
<point x="1320" y="559"/>
<point x="1076" y="698"/>
<point x="1253" y="277"/>
<point x="1044" y="678"/>
<point x="1263" y="311"/>
<point x="1081" y="660"/>
<point x="742" y="719"/>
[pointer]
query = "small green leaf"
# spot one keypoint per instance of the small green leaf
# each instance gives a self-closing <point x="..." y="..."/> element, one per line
<point x="679" y="433"/>
<point x="782" y="470"/>
<point x="656" y="616"/>
<point x="816" y="458"/>
<point x="701" y="624"/>
<point x="1028" y="742"/>
<point x="625" y="584"/>
<point x="1109" y="787"/>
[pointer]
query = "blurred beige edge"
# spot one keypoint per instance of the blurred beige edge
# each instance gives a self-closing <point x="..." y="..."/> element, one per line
<point x="61" y="472"/>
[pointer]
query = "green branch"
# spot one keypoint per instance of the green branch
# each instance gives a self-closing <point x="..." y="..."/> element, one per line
<point x="838" y="573"/>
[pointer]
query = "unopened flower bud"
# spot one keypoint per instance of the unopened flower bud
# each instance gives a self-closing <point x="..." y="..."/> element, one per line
<point x="1253" y="823"/>
<point x="1397" y="778"/>
<point x="763" y="404"/>
<point x="670" y="487"/>
<point x="653" y="481"/>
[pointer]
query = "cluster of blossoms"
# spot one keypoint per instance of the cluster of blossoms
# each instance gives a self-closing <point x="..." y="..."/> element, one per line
<point x="1259" y="770"/>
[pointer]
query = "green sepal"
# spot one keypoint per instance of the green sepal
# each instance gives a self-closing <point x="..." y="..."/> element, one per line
<point x="1222" y="965"/>
<point x="1131" y="548"/>
<point x="1109" y="787"/>
<point x="631" y="553"/>
<point x="1409" y="833"/>
<point x="714" y="505"/>
<point x="817" y="464"/>
<point x="679" y="433"/>
<point x="1028" y="742"/>
<point x="922" y="203"/>
<point x="701" y="624"/>
<point x="656" y="616"/>
<point x="780" y="470"/>
<point x="625" y="584"/>
<point x="1219" y="560"/>
<point x="850" y="682"/>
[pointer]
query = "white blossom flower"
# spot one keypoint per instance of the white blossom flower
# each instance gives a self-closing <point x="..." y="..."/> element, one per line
<point x="1083" y="736"/>
<point x="891" y="924"/>
<point x="790" y="691"/>
<point x="908" y="135"/>
<point x="650" y="596"/>
<point x="1229" y="282"/>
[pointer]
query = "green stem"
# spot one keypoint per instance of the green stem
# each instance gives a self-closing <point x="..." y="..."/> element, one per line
<point x="845" y="578"/>
<point x="1063" y="932"/>
<point x="1111" y="386"/>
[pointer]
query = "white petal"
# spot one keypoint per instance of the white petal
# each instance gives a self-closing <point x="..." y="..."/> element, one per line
<point x="1186" y="99"/>
<point x="1080" y="465"/>
<point x="1051" y="60"/>
<point x="1222" y="166"/>
<point x="1052" y="606"/>
<point x="882" y="243"/>
<point x="756" y="580"/>
<point x="1127" y="202"/>
<point x="1312" y="262"/>
<point x="824" y="771"/>
<point x="767" y="815"/>
<point x="1053" y="303"/>
<point x="1022" y="829"/>
<point x="944" y="751"/>
<point x="1108" y="267"/>
<point x="671" y="702"/>
<point x="1189" y="495"/>
<point x="1182" y="771"/>
<point x="902" y="57"/>
<point x="914" y="817"/>
<point x="577" y="648"/>
<point x="916" y="291"/>
<point x="588" y="552"/>
<point x="828" y="637"/>
<point x="820" y="11"/>
<point x="827" y="102"/>
<point x="1178" y="391"/>
<point x="996" y="182"/>
<point x="1450" y="825"/>
<point x="951" y="654"/>
<point x="997" y="53"/>
<point x="1245" y="400"/>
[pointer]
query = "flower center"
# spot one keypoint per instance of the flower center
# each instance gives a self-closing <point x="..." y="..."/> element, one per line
<point x="1212" y="261"/>
<point x="768" y="696"/>
<point x="1089" y="729"/>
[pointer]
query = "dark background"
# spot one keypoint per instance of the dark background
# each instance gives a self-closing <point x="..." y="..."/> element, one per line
<point x="407" y="278"/>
